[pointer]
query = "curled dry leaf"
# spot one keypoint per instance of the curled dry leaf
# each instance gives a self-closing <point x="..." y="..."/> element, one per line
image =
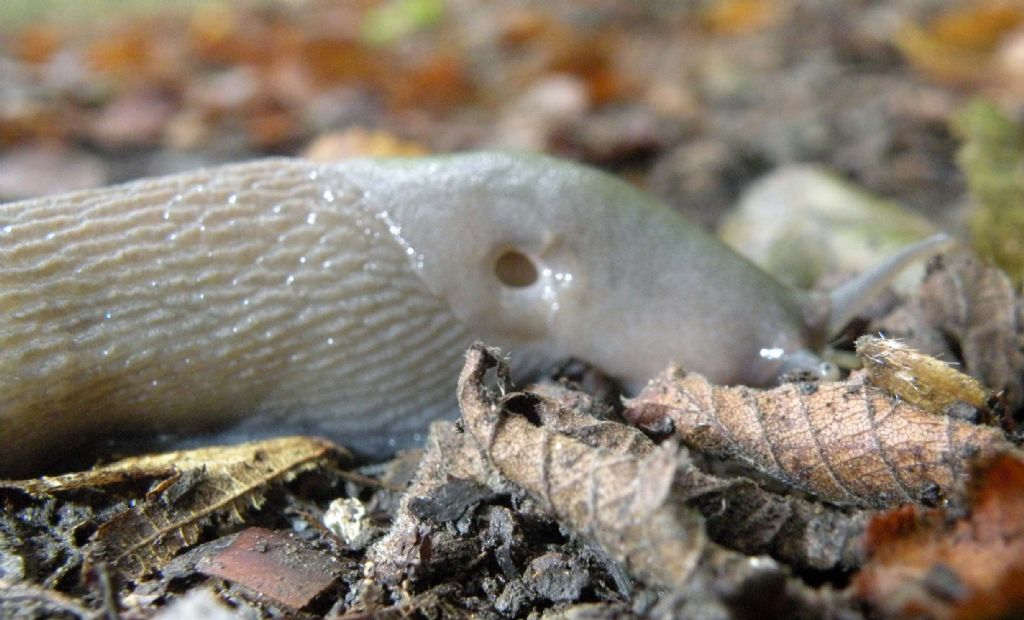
<point x="929" y="563"/>
<point x="844" y="442"/>
<point x="738" y="512"/>
<point x="973" y="306"/>
<point x="619" y="500"/>
<point x="166" y="465"/>
<point x="456" y="528"/>
<point x="919" y="379"/>
<point x="188" y="490"/>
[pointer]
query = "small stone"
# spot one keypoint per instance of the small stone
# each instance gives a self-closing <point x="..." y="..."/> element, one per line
<point x="346" y="517"/>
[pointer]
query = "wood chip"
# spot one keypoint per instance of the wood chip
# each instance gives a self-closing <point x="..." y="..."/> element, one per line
<point x="274" y="564"/>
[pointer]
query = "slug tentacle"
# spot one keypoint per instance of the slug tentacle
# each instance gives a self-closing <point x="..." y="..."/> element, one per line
<point x="846" y="300"/>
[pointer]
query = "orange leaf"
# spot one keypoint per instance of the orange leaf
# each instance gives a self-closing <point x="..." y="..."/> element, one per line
<point x="937" y="564"/>
<point x="958" y="46"/>
<point x="735" y="17"/>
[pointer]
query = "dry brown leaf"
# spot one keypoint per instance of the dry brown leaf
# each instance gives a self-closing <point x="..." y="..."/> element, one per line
<point x="165" y="465"/>
<point x="619" y="500"/>
<point x="439" y="81"/>
<point x="190" y="489"/>
<point x="124" y="52"/>
<point x="37" y="43"/>
<point x="932" y="564"/>
<point x="919" y="379"/>
<point x="844" y="442"/>
<point x="406" y="549"/>
<point x="738" y="512"/>
<point x="973" y="306"/>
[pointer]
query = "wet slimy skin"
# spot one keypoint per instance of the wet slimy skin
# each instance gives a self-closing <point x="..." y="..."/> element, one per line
<point x="287" y="296"/>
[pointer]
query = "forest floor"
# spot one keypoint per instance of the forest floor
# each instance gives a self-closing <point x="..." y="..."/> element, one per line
<point x="903" y="109"/>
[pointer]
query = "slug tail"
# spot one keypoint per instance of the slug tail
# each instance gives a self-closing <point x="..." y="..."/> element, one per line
<point x="848" y="299"/>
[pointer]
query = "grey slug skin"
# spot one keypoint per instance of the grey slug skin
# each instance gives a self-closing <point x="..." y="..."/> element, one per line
<point x="267" y="295"/>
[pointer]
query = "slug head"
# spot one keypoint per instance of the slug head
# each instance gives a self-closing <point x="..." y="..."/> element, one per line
<point x="551" y="258"/>
<point x="486" y="234"/>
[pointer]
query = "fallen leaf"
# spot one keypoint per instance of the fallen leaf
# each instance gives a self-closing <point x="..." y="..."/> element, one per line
<point x="36" y="170"/>
<point x="129" y="50"/>
<point x="360" y="142"/>
<point x="958" y="46"/>
<point x="619" y="500"/>
<point x="936" y="564"/>
<point x="133" y="119"/>
<point x="844" y="442"/>
<point x="37" y="43"/>
<point x="189" y="489"/>
<point x="407" y="549"/>
<point x="439" y="81"/>
<point x="738" y="17"/>
<point x="738" y="512"/>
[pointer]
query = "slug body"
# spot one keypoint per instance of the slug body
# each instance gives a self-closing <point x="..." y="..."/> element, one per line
<point x="287" y="296"/>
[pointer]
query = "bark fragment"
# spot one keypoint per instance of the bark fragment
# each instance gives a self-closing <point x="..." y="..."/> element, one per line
<point x="844" y="442"/>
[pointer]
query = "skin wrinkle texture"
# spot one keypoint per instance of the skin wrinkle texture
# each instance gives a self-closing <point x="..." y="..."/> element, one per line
<point x="287" y="296"/>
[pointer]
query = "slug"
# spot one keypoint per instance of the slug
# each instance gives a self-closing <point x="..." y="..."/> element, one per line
<point x="287" y="296"/>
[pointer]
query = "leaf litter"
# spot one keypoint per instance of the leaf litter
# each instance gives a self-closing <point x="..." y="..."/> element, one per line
<point x="129" y="519"/>
<point x="713" y="502"/>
